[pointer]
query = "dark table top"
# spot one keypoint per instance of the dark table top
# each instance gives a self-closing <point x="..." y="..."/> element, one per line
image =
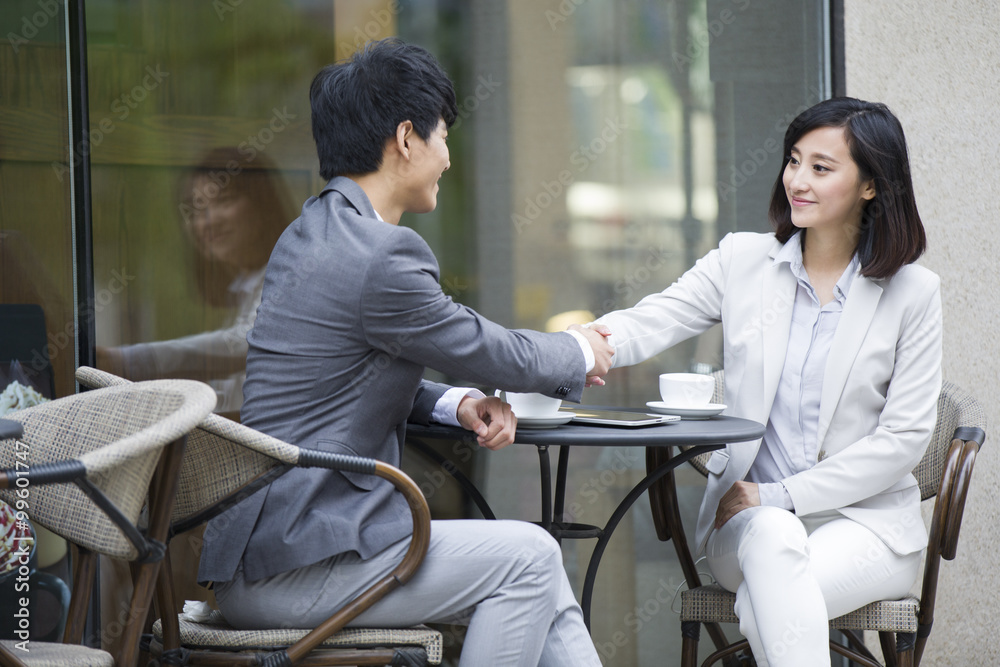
<point x="10" y="429"/>
<point x="716" y="430"/>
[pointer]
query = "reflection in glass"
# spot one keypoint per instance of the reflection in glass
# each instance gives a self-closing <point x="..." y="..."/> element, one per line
<point x="232" y="212"/>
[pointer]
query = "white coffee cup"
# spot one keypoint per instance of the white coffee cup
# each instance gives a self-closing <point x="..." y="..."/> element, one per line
<point x="531" y="406"/>
<point x="686" y="390"/>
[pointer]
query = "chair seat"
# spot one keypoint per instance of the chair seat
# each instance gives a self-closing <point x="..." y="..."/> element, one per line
<point x="48" y="654"/>
<point x="714" y="604"/>
<point x="215" y="633"/>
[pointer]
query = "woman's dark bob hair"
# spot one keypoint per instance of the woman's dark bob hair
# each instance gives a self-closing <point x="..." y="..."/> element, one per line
<point x="891" y="233"/>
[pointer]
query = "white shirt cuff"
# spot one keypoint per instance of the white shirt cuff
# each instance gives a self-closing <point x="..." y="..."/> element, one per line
<point x="588" y="352"/>
<point x="774" y="494"/>
<point x="446" y="409"/>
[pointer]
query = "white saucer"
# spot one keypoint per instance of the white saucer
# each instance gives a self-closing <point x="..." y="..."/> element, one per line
<point x="545" y="422"/>
<point x="710" y="410"/>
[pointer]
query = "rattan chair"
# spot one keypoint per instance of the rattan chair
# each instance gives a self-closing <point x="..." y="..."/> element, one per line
<point x="225" y="462"/>
<point x="83" y="467"/>
<point x="903" y="625"/>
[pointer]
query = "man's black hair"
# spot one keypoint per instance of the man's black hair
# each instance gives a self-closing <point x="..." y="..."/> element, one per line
<point x="358" y="103"/>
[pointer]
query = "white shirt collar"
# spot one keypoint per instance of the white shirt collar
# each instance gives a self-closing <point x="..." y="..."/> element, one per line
<point x="791" y="252"/>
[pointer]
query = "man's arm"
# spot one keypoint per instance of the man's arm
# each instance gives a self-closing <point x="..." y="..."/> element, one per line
<point x="405" y="313"/>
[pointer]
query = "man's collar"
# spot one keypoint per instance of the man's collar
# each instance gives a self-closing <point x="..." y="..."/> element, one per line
<point x="354" y="194"/>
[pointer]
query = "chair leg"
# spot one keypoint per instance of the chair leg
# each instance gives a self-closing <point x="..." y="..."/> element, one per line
<point x="854" y="655"/>
<point x="165" y="603"/>
<point x="888" y="642"/>
<point x="163" y="488"/>
<point x="84" y="570"/>
<point x="905" y="642"/>
<point x="690" y="632"/>
<point x="729" y="655"/>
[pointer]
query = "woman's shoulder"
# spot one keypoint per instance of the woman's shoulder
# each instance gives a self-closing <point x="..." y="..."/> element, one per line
<point x="913" y="276"/>
<point x="749" y="243"/>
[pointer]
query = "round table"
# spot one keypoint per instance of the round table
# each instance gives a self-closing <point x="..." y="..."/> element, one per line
<point x="695" y="436"/>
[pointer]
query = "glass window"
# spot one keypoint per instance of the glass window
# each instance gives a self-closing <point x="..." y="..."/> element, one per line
<point x="37" y="324"/>
<point x="602" y="147"/>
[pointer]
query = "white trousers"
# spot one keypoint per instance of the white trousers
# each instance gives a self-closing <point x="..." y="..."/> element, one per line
<point x="791" y="575"/>
<point x="504" y="579"/>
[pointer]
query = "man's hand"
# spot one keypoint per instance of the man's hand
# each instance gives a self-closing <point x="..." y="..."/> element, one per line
<point x="597" y="336"/>
<point x="739" y="497"/>
<point x="490" y="419"/>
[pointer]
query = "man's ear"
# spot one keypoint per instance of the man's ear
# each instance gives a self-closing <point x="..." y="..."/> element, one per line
<point x="404" y="134"/>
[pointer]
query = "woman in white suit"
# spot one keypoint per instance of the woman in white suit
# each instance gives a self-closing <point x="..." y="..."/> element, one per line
<point x="832" y="338"/>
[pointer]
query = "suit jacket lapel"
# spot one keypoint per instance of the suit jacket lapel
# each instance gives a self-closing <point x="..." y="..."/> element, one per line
<point x="859" y="310"/>
<point x="777" y="300"/>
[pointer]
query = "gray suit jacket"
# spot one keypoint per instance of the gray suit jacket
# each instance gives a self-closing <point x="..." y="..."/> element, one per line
<point x="352" y="312"/>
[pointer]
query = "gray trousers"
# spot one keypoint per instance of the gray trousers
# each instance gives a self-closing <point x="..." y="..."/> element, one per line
<point x="503" y="579"/>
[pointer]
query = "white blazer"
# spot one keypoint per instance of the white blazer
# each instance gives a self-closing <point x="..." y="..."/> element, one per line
<point x="880" y="389"/>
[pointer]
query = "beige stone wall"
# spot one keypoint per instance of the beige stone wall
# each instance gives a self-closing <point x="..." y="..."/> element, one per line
<point x="937" y="66"/>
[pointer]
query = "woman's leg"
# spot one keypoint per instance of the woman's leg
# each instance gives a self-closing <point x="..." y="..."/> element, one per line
<point x="854" y="567"/>
<point x="504" y="579"/>
<point x="762" y="554"/>
<point x="838" y="567"/>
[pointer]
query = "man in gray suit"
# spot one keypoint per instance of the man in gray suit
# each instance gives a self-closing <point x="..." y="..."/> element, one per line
<point x="351" y="314"/>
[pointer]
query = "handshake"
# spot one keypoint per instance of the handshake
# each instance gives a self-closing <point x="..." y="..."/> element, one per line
<point x="597" y="336"/>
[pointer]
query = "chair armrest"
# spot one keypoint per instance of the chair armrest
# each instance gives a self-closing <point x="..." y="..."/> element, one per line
<point x="420" y="512"/>
<point x="403" y="571"/>
<point x="963" y="462"/>
<point x="947" y="519"/>
<point x="56" y="472"/>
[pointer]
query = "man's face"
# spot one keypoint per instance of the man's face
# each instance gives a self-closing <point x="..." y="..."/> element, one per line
<point x="428" y="160"/>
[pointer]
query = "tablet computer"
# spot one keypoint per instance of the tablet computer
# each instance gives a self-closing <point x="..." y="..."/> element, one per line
<point x="618" y="418"/>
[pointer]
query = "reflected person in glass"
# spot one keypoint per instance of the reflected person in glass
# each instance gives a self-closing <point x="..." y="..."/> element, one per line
<point x="232" y="210"/>
<point x="832" y="338"/>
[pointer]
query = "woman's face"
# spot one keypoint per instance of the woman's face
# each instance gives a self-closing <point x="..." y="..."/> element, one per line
<point x="223" y="224"/>
<point x="823" y="184"/>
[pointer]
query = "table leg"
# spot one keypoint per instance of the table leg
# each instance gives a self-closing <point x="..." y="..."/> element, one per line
<point x="619" y="514"/>
<point x="545" y="466"/>
<point x="562" y="469"/>
<point x="467" y="486"/>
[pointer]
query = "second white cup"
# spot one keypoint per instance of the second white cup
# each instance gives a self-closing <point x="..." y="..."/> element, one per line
<point x="686" y="390"/>
<point x="531" y="406"/>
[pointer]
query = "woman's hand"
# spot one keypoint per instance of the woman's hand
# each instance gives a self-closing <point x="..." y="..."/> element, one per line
<point x="739" y="497"/>
<point x="490" y="419"/>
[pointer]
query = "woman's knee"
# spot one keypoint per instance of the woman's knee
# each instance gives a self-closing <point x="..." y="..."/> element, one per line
<point x="770" y="533"/>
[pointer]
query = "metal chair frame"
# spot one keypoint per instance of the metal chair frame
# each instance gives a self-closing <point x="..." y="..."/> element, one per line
<point x="274" y="457"/>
